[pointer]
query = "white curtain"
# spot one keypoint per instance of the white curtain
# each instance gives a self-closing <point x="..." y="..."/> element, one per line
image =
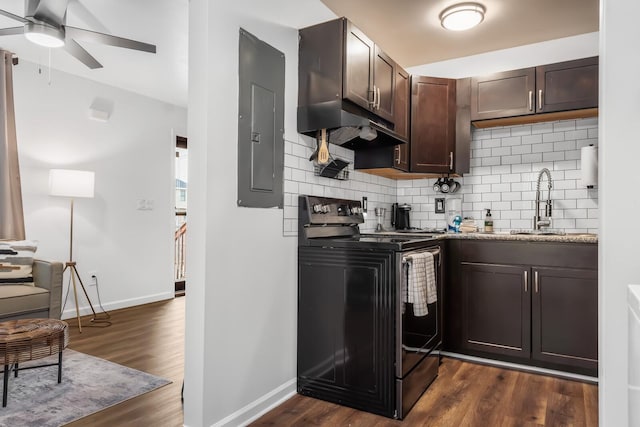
<point x="11" y="214"/>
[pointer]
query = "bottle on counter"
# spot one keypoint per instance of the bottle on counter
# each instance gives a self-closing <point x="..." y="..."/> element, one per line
<point x="488" y="222"/>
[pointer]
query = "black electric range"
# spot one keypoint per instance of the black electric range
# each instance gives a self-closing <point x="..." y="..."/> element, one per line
<point x="360" y="344"/>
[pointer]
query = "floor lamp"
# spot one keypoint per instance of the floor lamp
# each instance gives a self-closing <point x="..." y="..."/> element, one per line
<point x="72" y="184"/>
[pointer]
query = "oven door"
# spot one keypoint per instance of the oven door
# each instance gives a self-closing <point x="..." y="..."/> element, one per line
<point x="418" y="339"/>
<point x="419" y="335"/>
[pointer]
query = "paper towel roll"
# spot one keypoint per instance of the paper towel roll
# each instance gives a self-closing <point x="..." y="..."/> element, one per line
<point x="589" y="166"/>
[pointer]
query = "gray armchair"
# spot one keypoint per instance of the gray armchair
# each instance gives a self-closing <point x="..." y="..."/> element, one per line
<point x="40" y="301"/>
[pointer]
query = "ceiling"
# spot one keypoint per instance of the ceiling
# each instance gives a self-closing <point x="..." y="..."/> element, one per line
<point x="408" y="30"/>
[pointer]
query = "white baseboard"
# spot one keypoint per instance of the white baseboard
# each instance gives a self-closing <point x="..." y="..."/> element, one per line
<point x="260" y="406"/>
<point x="70" y="310"/>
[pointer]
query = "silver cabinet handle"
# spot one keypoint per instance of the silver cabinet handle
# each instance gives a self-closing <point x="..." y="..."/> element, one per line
<point x="378" y="106"/>
<point x="451" y="160"/>
<point x="397" y="150"/>
<point x="526" y="281"/>
<point x="535" y="282"/>
<point x="530" y="100"/>
<point x="540" y="100"/>
<point x="373" y="103"/>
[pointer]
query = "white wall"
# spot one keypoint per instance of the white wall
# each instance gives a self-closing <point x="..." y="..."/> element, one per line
<point x="132" y="155"/>
<point x="242" y="277"/>
<point x="619" y="154"/>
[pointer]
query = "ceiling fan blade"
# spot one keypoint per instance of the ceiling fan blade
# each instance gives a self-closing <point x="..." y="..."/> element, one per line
<point x="81" y="54"/>
<point x="11" y="31"/>
<point x="53" y="12"/>
<point x="92" y="36"/>
<point x="12" y="16"/>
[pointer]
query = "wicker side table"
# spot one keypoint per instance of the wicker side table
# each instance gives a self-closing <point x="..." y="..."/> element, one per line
<point x="30" y="339"/>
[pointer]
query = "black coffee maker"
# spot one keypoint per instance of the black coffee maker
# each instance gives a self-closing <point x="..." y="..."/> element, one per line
<point x="400" y="216"/>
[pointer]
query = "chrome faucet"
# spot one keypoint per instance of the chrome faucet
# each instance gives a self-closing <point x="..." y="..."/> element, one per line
<point x="543" y="221"/>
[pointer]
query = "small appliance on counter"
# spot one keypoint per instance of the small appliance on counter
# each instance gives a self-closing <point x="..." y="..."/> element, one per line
<point x="400" y="216"/>
<point x="380" y="218"/>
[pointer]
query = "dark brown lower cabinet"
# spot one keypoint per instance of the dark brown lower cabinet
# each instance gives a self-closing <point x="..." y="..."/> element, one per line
<point x="523" y="302"/>
<point x="497" y="309"/>
<point x="565" y="316"/>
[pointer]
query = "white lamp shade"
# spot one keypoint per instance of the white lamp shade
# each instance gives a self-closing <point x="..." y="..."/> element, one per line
<point x="71" y="183"/>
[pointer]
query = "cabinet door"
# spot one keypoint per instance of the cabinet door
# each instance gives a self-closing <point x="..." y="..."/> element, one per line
<point x="401" y="112"/>
<point x="506" y="94"/>
<point x="496" y="309"/>
<point x="358" y="74"/>
<point x="384" y="69"/>
<point x="433" y="124"/>
<point x="565" y="317"/>
<point x="570" y="85"/>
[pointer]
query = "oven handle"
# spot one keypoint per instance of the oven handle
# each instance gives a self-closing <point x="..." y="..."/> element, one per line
<point x="435" y="250"/>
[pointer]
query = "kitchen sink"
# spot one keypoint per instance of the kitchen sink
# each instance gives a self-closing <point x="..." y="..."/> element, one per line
<point x="539" y="232"/>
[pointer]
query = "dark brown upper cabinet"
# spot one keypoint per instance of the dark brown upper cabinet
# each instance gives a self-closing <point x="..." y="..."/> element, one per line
<point x="565" y="86"/>
<point x="369" y="74"/>
<point x="338" y="61"/>
<point x="433" y="124"/>
<point x="402" y="109"/>
<point x="570" y="85"/>
<point x="439" y="124"/>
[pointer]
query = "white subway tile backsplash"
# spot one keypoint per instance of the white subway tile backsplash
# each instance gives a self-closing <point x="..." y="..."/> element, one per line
<point x="514" y="140"/>
<point x="510" y="160"/>
<point x="490" y="161"/>
<point x="490" y="179"/>
<point x="542" y="128"/>
<point x="551" y="157"/>
<point x="500" y="188"/>
<point x="500" y="151"/>
<point x="565" y="125"/>
<point x="500" y="132"/>
<point x="532" y="158"/>
<point x="504" y="167"/>
<point x="491" y="143"/>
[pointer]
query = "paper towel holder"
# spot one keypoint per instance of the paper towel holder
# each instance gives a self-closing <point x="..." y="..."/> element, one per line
<point x="589" y="166"/>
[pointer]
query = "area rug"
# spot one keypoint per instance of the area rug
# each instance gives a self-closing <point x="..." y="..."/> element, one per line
<point x="89" y="384"/>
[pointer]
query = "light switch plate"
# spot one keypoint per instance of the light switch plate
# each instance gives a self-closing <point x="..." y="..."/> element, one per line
<point x="440" y="208"/>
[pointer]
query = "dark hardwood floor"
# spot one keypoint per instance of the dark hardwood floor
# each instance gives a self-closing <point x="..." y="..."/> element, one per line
<point x="464" y="394"/>
<point x="150" y="338"/>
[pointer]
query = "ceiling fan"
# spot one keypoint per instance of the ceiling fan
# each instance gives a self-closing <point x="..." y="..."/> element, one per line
<point x="45" y="24"/>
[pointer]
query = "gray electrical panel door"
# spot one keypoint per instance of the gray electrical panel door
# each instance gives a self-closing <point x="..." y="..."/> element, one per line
<point x="260" y="124"/>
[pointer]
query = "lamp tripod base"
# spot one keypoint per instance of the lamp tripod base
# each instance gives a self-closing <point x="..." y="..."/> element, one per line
<point x="99" y="322"/>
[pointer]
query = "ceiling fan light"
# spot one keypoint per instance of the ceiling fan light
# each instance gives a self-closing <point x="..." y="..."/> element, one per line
<point x="44" y="35"/>
<point x="462" y="16"/>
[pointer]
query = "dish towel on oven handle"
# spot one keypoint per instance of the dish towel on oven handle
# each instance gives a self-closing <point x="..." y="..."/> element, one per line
<point x="421" y="282"/>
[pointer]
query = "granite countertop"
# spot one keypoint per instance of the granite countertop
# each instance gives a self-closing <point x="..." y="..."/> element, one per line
<point x="505" y="235"/>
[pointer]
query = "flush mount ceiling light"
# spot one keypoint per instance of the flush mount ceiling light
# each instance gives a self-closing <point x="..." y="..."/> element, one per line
<point x="462" y="16"/>
<point x="43" y="34"/>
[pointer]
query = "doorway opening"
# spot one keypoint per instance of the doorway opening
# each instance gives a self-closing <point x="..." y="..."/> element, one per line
<point x="181" y="185"/>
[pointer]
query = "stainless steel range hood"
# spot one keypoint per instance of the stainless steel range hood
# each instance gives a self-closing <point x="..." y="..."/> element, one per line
<point x="347" y="125"/>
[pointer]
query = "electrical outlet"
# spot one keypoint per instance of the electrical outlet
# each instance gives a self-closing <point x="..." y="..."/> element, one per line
<point x="93" y="278"/>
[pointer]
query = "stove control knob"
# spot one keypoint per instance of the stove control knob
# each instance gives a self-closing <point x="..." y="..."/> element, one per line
<point x="317" y="208"/>
<point x="326" y="208"/>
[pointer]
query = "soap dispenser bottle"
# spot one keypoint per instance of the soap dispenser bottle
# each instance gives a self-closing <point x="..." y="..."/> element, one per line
<point x="488" y="222"/>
